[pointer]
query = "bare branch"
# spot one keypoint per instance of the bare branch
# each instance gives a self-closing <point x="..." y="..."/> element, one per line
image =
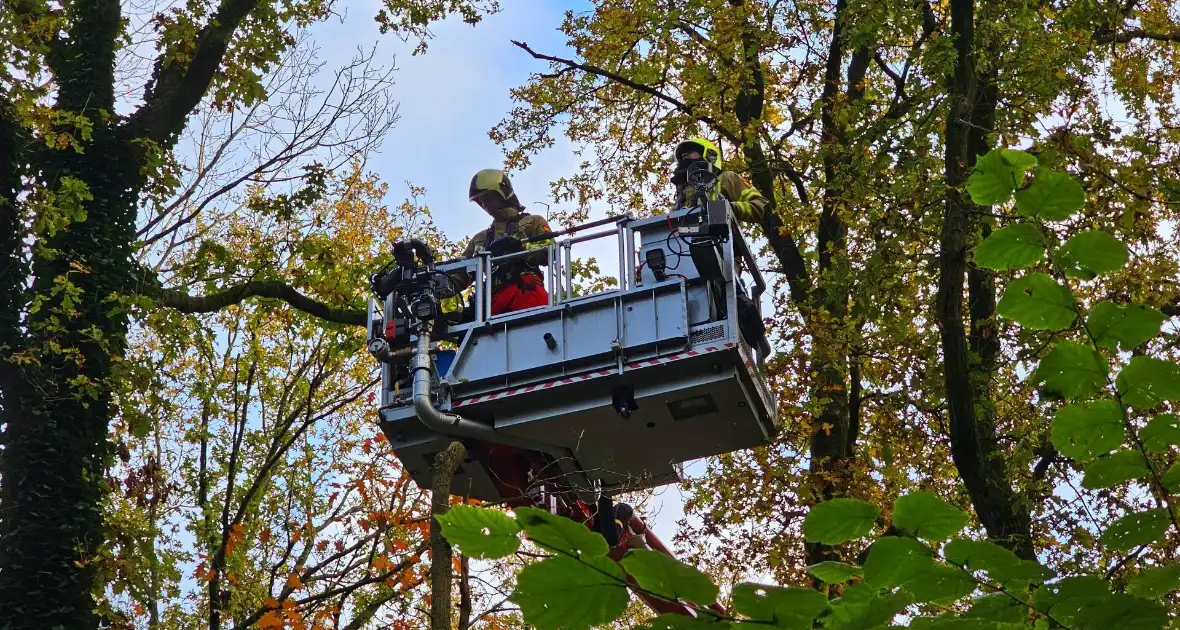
<point x="646" y="89"/>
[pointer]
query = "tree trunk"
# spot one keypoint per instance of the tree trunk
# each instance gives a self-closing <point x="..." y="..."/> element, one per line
<point x="970" y="368"/>
<point x="445" y="464"/>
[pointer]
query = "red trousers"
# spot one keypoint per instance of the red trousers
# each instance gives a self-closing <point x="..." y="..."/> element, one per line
<point x="512" y="297"/>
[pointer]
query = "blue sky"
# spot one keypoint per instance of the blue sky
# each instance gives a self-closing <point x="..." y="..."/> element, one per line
<point x="450" y="97"/>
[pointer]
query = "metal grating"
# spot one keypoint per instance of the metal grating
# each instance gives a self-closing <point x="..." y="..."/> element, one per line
<point x="712" y="333"/>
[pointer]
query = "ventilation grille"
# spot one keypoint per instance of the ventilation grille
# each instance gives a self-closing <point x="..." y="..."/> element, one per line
<point x="712" y="333"/>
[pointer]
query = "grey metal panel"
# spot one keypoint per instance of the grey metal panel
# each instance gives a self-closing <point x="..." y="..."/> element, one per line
<point x="513" y="352"/>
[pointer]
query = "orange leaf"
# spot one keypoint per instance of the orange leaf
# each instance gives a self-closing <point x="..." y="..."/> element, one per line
<point x="293" y="581"/>
<point x="264" y="535"/>
<point x="271" y="602"/>
<point x="271" y="621"/>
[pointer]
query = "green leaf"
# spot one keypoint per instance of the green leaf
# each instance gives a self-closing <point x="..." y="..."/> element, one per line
<point x="1014" y="247"/>
<point x="992" y="181"/>
<point x="1064" y="600"/>
<point x="1132" y="530"/>
<point x="1125" y="613"/>
<point x="1083" y="431"/>
<point x="1091" y="253"/>
<point x="999" y="607"/>
<point x="951" y="623"/>
<point x="139" y="425"/>
<point x="1171" y="479"/>
<point x="1147" y="382"/>
<point x="861" y="607"/>
<point x="1038" y="302"/>
<point x="672" y="621"/>
<point x="839" y="520"/>
<point x="895" y="561"/>
<point x="1111" y="470"/>
<point x="1113" y="326"/>
<point x="480" y="532"/>
<point x="1161" y="433"/>
<point x="783" y="607"/>
<point x="1155" y="582"/>
<point x="1086" y="603"/>
<point x="926" y="516"/>
<point x="667" y="577"/>
<point x="560" y="534"/>
<point x="1020" y="161"/>
<point x="1000" y="564"/>
<point x="834" y="572"/>
<point x="563" y="593"/>
<point x="1071" y="370"/>
<point x="890" y="558"/>
<point x="1051" y="196"/>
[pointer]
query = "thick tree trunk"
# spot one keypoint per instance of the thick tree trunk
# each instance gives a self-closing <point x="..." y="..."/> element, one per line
<point x="969" y="365"/>
<point x="58" y="403"/>
<point x="445" y="464"/>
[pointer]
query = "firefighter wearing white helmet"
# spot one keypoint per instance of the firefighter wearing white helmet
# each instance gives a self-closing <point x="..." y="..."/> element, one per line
<point x="517" y="285"/>
<point x="748" y="204"/>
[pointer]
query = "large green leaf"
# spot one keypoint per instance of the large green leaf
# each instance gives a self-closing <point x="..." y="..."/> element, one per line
<point x="1114" y="326"/>
<point x="1171" y="479"/>
<point x="1086" y="603"/>
<point x="1000" y="564"/>
<point x="924" y="515"/>
<point x="793" y="608"/>
<point x="1014" y="247"/>
<point x="1038" y="302"/>
<point x="1161" y="433"/>
<point x="839" y="520"/>
<point x="1146" y="382"/>
<point x="890" y="559"/>
<point x="993" y="180"/>
<point x="834" y="572"/>
<point x="952" y="623"/>
<point x="667" y="577"/>
<point x="861" y="607"/>
<point x="1083" y="431"/>
<point x="1155" y="582"/>
<point x="1123" y="612"/>
<point x="1111" y="470"/>
<point x="1000" y="607"/>
<point x="559" y="534"/>
<point x="563" y="593"/>
<point x="1071" y="370"/>
<point x="1066" y="599"/>
<point x="480" y="532"/>
<point x="1138" y="528"/>
<point x="1051" y="196"/>
<point x="1091" y="253"/>
<point x="895" y="561"/>
<point x="671" y="621"/>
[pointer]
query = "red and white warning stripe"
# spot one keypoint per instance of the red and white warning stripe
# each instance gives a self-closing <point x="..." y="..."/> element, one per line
<point x="580" y="378"/>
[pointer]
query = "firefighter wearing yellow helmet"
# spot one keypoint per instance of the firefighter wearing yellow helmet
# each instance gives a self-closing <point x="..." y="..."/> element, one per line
<point x="748" y="204"/>
<point x="517" y="285"/>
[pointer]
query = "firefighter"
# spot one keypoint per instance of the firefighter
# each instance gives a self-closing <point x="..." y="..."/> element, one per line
<point x="517" y="284"/>
<point x="749" y="206"/>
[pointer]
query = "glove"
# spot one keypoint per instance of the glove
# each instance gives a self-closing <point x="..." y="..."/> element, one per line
<point x="505" y="245"/>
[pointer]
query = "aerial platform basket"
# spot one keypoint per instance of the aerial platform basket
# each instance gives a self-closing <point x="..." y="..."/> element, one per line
<point x="615" y="390"/>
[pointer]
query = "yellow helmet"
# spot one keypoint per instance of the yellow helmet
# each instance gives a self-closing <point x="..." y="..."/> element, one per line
<point x="709" y="151"/>
<point x="492" y="180"/>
